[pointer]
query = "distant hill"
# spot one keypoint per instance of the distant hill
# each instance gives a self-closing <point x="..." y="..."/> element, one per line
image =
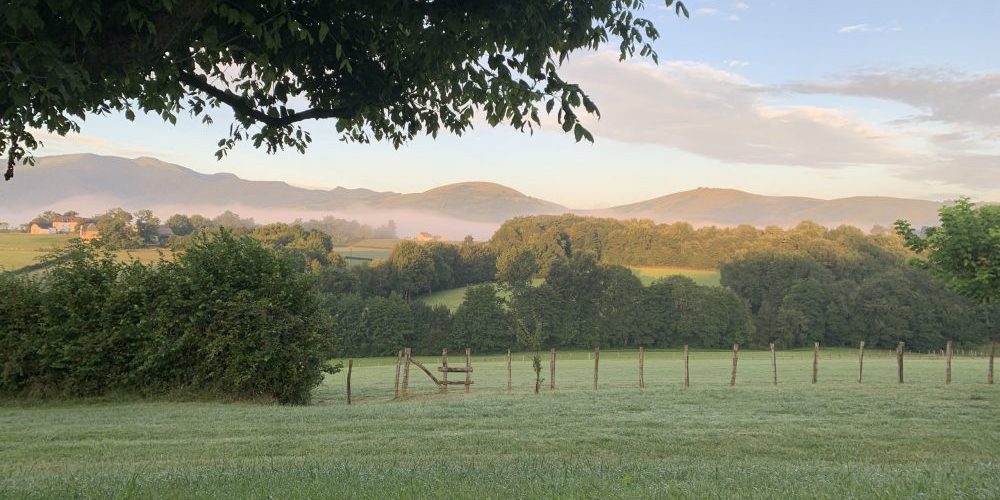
<point x="92" y="184"/>
<point x="730" y="207"/>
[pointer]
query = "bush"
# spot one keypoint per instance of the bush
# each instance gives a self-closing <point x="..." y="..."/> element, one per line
<point x="228" y="318"/>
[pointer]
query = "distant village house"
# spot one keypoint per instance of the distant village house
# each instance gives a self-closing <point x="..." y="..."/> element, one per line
<point x="425" y="236"/>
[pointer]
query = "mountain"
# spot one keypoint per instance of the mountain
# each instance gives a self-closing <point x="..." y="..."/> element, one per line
<point x="92" y="184"/>
<point x="730" y="207"/>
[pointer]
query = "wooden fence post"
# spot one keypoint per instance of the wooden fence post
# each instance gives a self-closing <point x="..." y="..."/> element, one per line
<point x="687" y="378"/>
<point x="642" y="355"/>
<point x="350" y="367"/>
<point x="947" y="356"/>
<point x="993" y="352"/>
<point x="509" y="385"/>
<point x="774" y="367"/>
<point x="468" y="369"/>
<point x="597" y="360"/>
<point x="406" y="372"/>
<point x="899" y="360"/>
<point x="399" y="360"/>
<point x="815" y="360"/>
<point x="736" y="349"/>
<point x="861" y="360"/>
<point x="552" y="369"/>
<point x="444" y="374"/>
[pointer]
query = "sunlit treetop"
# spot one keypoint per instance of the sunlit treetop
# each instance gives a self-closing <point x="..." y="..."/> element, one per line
<point x="384" y="70"/>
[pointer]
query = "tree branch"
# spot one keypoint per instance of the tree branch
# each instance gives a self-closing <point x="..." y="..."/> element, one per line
<point x="246" y="107"/>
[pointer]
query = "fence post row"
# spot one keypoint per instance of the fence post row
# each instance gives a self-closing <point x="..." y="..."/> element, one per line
<point x="404" y="360"/>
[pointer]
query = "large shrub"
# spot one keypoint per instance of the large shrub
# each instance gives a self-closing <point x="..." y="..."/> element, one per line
<point x="228" y="318"/>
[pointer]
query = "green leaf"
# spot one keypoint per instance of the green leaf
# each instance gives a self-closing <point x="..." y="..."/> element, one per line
<point x="324" y="30"/>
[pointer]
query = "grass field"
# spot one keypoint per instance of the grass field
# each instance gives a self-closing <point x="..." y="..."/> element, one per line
<point x="835" y="439"/>
<point x="18" y="250"/>
<point x="704" y="277"/>
<point x="453" y="297"/>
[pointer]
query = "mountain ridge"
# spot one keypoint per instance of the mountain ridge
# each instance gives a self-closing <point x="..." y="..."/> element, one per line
<point x="146" y="182"/>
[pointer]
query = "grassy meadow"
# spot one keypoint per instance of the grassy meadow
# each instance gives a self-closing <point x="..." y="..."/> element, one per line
<point x="649" y="274"/>
<point x="19" y="250"/>
<point x="453" y="297"/>
<point x="834" y="439"/>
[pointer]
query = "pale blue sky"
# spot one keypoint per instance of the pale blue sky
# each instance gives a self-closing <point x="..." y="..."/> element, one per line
<point x="814" y="98"/>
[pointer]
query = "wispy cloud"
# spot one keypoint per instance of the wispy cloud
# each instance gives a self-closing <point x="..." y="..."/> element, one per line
<point x="706" y="11"/>
<point x="735" y="63"/>
<point x="741" y="6"/>
<point x="719" y="114"/>
<point x="867" y="28"/>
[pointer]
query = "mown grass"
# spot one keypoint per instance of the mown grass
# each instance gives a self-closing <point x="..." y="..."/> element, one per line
<point x="835" y="439"/>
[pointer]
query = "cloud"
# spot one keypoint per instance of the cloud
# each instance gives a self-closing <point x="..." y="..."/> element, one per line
<point x="706" y="11"/>
<point x="720" y="115"/>
<point x="735" y="63"/>
<point x="866" y="28"/>
<point x="741" y="6"/>
<point x="938" y="94"/>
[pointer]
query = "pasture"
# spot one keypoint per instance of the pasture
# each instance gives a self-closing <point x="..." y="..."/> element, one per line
<point x="834" y="439"/>
<point x="649" y="274"/>
<point x="453" y="297"/>
<point x="20" y="250"/>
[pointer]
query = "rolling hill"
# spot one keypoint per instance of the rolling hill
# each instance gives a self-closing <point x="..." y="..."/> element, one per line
<point x="730" y="207"/>
<point x="91" y="184"/>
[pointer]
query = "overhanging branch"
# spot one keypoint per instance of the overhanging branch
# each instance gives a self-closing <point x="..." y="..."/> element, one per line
<point x="246" y="107"/>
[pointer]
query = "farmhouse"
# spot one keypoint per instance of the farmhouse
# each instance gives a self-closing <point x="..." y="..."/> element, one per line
<point x="41" y="229"/>
<point x="64" y="224"/>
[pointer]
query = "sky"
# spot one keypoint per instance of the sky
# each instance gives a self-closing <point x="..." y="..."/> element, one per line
<point x="817" y="98"/>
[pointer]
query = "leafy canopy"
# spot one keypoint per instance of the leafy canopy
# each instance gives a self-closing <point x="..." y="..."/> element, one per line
<point x="964" y="251"/>
<point x="383" y="69"/>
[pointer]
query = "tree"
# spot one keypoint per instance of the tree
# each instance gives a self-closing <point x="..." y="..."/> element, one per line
<point x="964" y="251"/>
<point x="412" y="267"/>
<point x="482" y="322"/>
<point x="384" y="70"/>
<point x="116" y="229"/>
<point x="231" y="220"/>
<point x="147" y="226"/>
<point x="180" y="224"/>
